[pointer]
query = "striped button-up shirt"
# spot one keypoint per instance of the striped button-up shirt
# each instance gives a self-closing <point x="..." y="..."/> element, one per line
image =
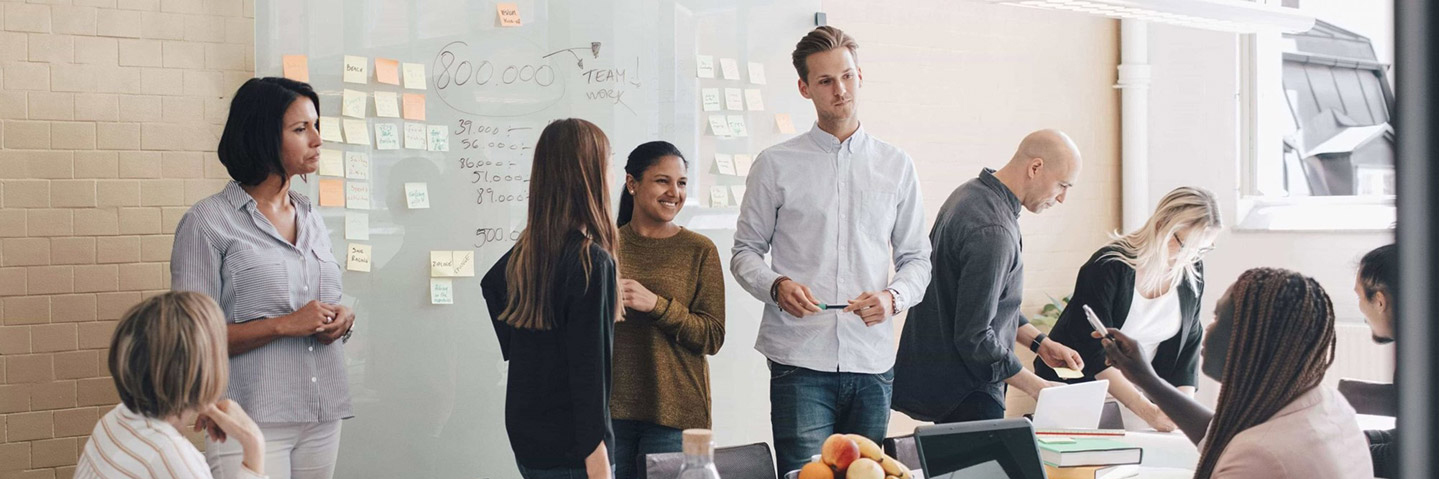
<point x="226" y="248"/>
<point x="127" y="445"/>
<point x="832" y="215"/>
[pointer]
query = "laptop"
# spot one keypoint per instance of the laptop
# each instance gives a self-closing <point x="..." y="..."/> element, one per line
<point x="993" y="449"/>
<point x="1072" y="406"/>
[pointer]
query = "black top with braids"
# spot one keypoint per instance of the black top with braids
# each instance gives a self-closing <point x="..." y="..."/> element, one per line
<point x="1282" y="343"/>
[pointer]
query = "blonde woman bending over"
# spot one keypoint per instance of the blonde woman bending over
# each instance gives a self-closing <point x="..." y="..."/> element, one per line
<point x="1148" y="284"/>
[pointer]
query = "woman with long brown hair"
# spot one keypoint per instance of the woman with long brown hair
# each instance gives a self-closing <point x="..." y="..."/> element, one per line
<point x="1270" y="343"/>
<point x="554" y="299"/>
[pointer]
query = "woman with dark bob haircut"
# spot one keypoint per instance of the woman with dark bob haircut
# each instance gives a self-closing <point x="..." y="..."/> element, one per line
<point x="263" y="252"/>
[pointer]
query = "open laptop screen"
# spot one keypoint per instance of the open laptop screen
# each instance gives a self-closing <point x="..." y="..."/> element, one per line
<point x="995" y="449"/>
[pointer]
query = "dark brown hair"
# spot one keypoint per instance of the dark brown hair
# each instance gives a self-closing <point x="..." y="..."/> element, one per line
<point x="250" y="144"/>
<point x="820" y="40"/>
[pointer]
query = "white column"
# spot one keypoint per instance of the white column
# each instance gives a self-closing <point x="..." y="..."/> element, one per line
<point x="1134" y="79"/>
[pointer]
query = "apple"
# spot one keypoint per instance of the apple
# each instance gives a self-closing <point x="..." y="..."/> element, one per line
<point x="840" y="451"/>
<point x="864" y="468"/>
<point x="867" y="448"/>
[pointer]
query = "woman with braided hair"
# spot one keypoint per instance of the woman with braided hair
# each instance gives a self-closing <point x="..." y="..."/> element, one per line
<point x="1269" y="346"/>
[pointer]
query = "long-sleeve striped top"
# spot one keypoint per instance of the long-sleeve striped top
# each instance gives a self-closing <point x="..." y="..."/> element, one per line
<point x="127" y="445"/>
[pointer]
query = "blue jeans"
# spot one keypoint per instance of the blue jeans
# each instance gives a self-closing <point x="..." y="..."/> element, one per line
<point x="635" y="439"/>
<point x="807" y="406"/>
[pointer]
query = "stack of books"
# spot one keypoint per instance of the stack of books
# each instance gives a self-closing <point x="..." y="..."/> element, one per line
<point x="1091" y="456"/>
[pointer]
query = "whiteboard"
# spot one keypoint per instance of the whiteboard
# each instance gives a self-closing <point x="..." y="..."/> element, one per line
<point x="427" y="381"/>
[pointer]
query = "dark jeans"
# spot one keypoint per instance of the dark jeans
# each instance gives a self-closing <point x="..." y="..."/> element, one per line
<point x="556" y="473"/>
<point x="808" y="406"/>
<point x="635" y="439"/>
<point x="977" y="406"/>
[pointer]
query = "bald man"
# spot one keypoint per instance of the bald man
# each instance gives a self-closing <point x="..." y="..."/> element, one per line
<point x="956" y="352"/>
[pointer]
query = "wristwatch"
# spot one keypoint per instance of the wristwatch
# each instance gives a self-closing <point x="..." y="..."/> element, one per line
<point x="346" y="337"/>
<point x="1034" y="345"/>
<point x="894" y="303"/>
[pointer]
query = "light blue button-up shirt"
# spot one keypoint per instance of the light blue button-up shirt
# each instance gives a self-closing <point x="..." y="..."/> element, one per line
<point x="831" y="215"/>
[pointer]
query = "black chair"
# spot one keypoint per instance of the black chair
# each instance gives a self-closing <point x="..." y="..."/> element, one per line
<point x="751" y="461"/>
<point x="903" y="449"/>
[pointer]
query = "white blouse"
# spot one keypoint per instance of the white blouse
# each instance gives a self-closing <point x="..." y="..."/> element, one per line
<point x="1152" y="321"/>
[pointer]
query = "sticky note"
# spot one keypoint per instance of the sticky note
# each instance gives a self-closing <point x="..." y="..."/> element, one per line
<point x="415" y="136"/>
<point x="417" y="195"/>
<point x="736" y="125"/>
<point x="738" y="194"/>
<point x="296" y="67"/>
<point x="711" y="99"/>
<point x="724" y="163"/>
<point x="357" y="257"/>
<point x="756" y="73"/>
<point x="357" y="165"/>
<point x="1056" y="440"/>
<point x="444" y="264"/>
<point x="332" y="162"/>
<point x="719" y="196"/>
<point x="414" y="75"/>
<point x="729" y="68"/>
<point x="464" y="263"/>
<point x="753" y="99"/>
<point x="719" y="125"/>
<point x="705" y="66"/>
<point x="509" y="14"/>
<point x="357" y="69"/>
<point x="785" y="125"/>
<point x="357" y="195"/>
<point x="1066" y="373"/>
<point x="415" y="106"/>
<point x="387" y="136"/>
<point x="330" y="129"/>
<point x="439" y="138"/>
<point x="387" y="104"/>
<point x="332" y="192"/>
<point x="733" y="99"/>
<point x="742" y="163"/>
<point x="357" y="226"/>
<point x="352" y="103"/>
<point x="387" y="71"/>
<point x="442" y="291"/>
<point x="357" y="132"/>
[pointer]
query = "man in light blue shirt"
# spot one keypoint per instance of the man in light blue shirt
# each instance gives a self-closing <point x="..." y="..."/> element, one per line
<point x="831" y="207"/>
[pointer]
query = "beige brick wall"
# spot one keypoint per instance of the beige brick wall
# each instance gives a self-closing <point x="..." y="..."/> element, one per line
<point x="109" y="113"/>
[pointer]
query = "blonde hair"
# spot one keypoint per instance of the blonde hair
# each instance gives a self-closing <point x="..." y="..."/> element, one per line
<point x="1147" y="248"/>
<point x="169" y="354"/>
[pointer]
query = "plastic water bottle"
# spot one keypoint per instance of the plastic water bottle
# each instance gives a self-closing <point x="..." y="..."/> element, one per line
<point x="699" y="449"/>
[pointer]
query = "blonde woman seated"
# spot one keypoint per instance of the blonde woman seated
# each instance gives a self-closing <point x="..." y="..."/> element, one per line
<point x="1147" y="284"/>
<point x="170" y="365"/>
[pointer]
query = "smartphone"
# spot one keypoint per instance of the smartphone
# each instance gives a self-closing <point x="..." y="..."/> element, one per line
<point x="1095" y="323"/>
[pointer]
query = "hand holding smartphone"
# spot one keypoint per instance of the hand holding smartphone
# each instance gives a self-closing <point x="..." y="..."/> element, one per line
<point x="1096" y="324"/>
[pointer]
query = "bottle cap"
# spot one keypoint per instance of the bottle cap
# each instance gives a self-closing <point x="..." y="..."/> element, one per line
<point x="698" y="441"/>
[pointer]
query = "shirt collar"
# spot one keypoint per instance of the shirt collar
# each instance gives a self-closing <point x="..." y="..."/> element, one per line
<point x="238" y="198"/>
<point x="829" y="143"/>
<point x="987" y="178"/>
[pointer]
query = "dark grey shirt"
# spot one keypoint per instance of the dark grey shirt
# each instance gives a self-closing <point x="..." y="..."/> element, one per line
<point x="959" y="340"/>
<point x="225" y="248"/>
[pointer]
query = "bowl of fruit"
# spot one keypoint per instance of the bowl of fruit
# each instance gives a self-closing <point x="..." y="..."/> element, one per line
<point x="851" y="456"/>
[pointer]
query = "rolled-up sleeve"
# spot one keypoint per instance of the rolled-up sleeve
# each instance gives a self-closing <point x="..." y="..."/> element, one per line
<point x="911" y="248"/>
<point x="755" y="231"/>
<point x="987" y="256"/>
<point x="194" y="259"/>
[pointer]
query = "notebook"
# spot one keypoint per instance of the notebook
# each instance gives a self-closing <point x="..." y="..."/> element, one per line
<point x="1089" y="451"/>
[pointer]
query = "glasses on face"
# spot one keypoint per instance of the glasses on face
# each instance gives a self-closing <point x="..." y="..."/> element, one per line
<point x="1197" y="254"/>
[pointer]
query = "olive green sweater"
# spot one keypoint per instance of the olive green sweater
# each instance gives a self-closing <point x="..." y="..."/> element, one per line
<point x="661" y="375"/>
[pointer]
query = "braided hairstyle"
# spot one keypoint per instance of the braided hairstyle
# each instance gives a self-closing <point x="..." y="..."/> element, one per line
<point x="1281" y="345"/>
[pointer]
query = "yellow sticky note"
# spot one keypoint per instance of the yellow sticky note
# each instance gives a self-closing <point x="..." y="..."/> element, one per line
<point x="332" y="192"/>
<point x="331" y="162"/>
<point x="357" y="195"/>
<point x="387" y="71"/>
<point x="415" y="138"/>
<point x="415" y="106"/>
<point x="742" y="164"/>
<point x="509" y="14"/>
<point x="296" y="67"/>
<point x="736" y="125"/>
<point x="785" y="125"/>
<point x="414" y="75"/>
<point x="330" y="129"/>
<point x="725" y="164"/>
<point x="357" y="226"/>
<point x="442" y="291"/>
<point x="442" y="264"/>
<point x="357" y="132"/>
<point x="1066" y="373"/>
<point x="387" y="136"/>
<point x="358" y="257"/>
<point x="464" y="263"/>
<point x="417" y="195"/>
<point x="387" y="104"/>
<point x="754" y="99"/>
<point x="357" y="69"/>
<point x="719" y="196"/>
<point x="352" y="103"/>
<point x="357" y="165"/>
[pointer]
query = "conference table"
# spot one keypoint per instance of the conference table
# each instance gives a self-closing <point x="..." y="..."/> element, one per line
<point x="1171" y="454"/>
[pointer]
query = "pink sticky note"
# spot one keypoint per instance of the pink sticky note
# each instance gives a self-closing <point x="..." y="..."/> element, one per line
<point x="332" y="192"/>
<point x="509" y="14"/>
<point x="297" y="67"/>
<point x="387" y="71"/>
<point x="415" y="106"/>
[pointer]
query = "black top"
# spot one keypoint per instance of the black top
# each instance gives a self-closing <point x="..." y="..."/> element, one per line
<point x="1107" y="286"/>
<point x="959" y="340"/>
<point x="557" y="400"/>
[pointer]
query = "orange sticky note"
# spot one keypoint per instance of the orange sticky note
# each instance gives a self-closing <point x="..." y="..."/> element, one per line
<point x="297" y="67"/>
<point x="332" y="192"/>
<point x="415" y="106"/>
<point x="509" y="14"/>
<point x="387" y="71"/>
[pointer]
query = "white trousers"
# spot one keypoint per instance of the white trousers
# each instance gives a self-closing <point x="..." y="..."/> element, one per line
<point x="297" y="450"/>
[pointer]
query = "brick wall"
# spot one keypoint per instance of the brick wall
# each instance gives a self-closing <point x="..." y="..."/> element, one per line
<point x="109" y="115"/>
